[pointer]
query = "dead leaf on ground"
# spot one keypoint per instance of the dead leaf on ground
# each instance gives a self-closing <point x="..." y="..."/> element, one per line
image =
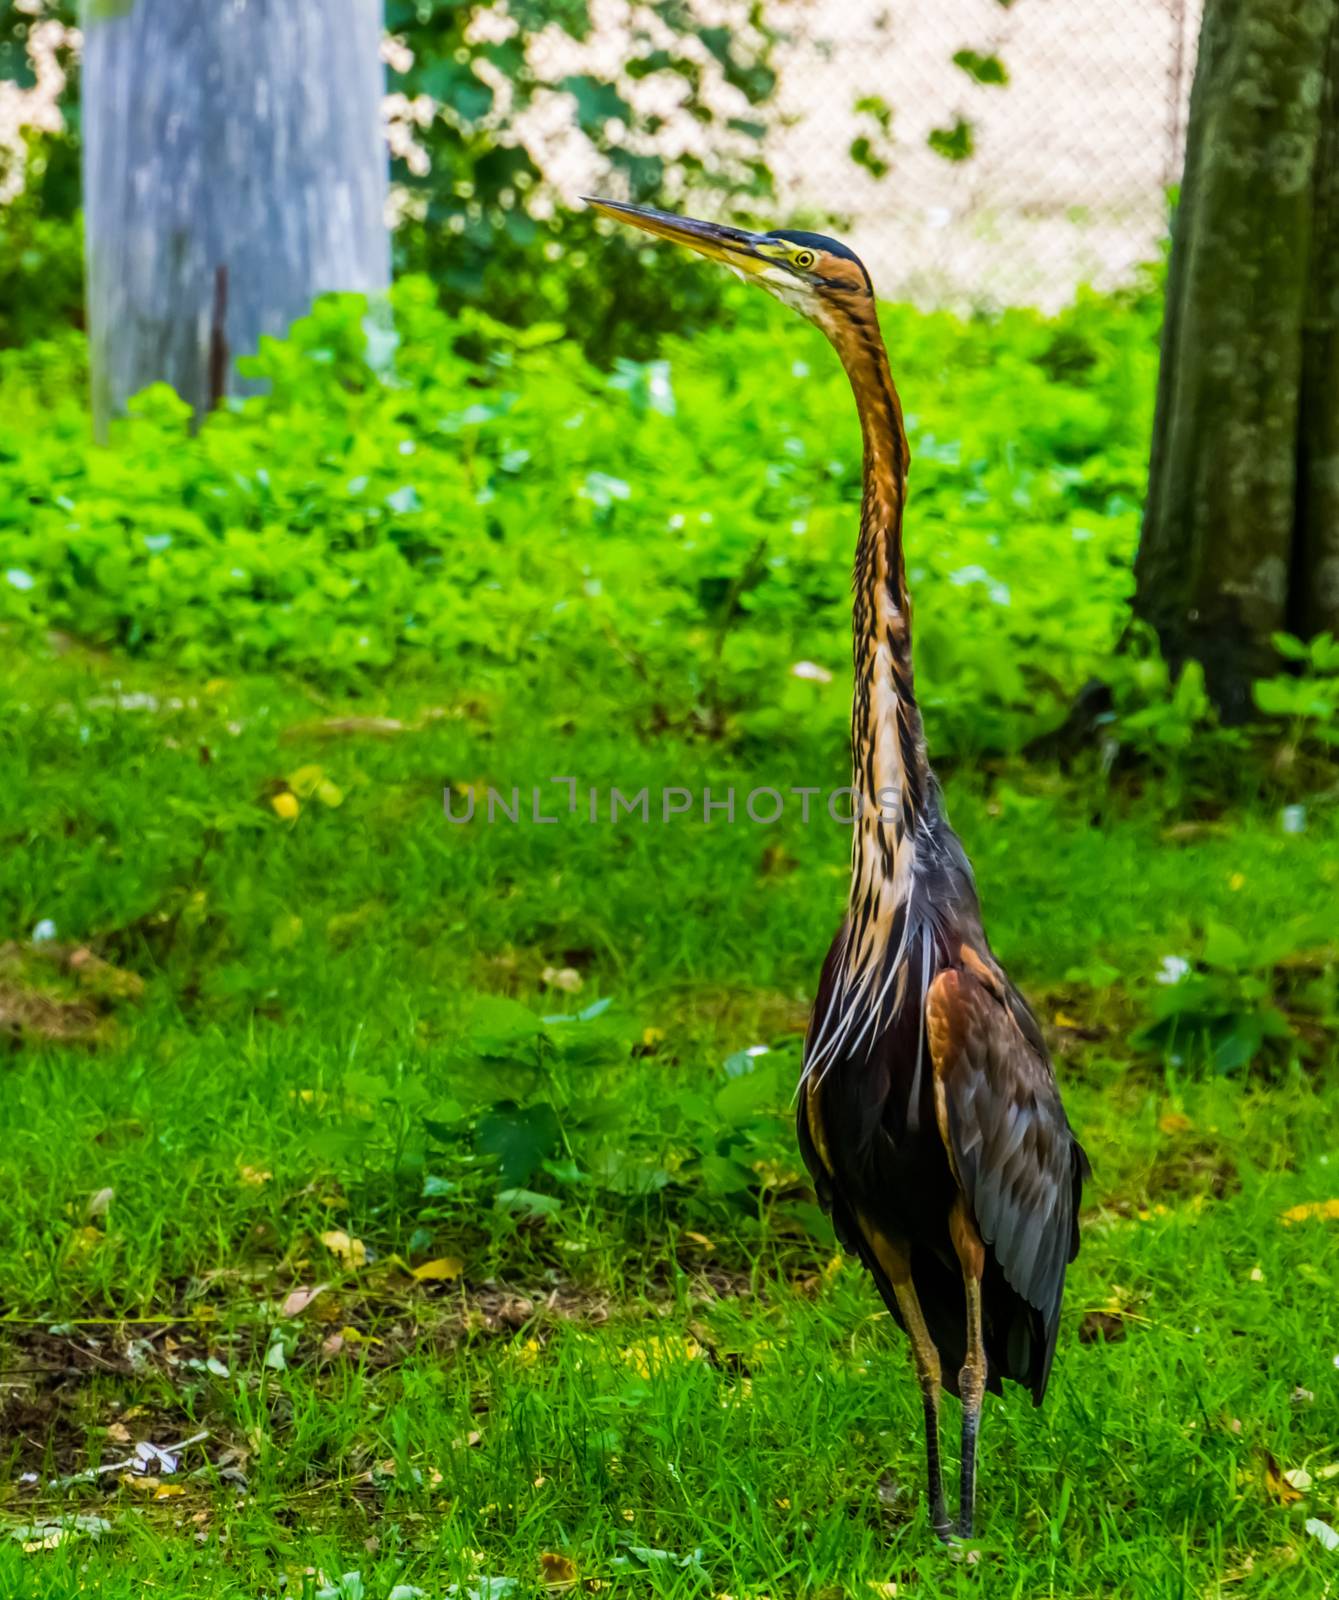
<point x="568" y="979"/>
<point x="1277" y="1485"/>
<point x="1174" y="1122"/>
<point x="1311" y="1211"/>
<point x="1329" y="1539"/>
<point x="556" y="1571"/>
<point x="442" y="1270"/>
<point x="297" y="1300"/>
<point x="254" y="1177"/>
<point x="99" y="1203"/>
<point x="50" y="1533"/>
<point x="1108" y="1326"/>
<point x="349" y="1252"/>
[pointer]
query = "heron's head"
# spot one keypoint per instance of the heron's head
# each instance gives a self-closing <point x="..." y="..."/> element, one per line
<point x="814" y="275"/>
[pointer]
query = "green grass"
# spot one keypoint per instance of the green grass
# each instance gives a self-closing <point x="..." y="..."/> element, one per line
<point x="277" y="1025"/>
<point x="650" y="1361"/>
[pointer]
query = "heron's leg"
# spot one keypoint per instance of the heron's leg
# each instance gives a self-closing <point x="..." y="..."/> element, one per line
<point x="972" y="1377"/>
<point x="896" y="1263"/>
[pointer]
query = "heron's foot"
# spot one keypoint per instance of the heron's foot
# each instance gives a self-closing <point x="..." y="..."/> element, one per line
<point x="944" y="1530"/>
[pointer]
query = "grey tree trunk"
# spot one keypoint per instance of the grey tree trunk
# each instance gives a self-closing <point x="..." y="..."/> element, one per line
<point x="1241" y="529"/>
<point x="234" y="168"/>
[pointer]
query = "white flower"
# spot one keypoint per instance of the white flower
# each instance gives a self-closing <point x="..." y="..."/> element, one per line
<point x="44" y="932"/>
<point x="1172" y="970"/>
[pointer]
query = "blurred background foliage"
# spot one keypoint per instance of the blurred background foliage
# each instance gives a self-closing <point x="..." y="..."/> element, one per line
<point x="472" y="208"/>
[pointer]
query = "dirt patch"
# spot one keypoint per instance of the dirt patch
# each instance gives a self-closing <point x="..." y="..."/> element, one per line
<point x="1105" y="1327"/>
<point x="63" y="994"/>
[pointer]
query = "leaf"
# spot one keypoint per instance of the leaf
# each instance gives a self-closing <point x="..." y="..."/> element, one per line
<point x="556" y="1571"/>
<point x="740" y="1100"/>
<point x="1311" y="1211"/>
<point x="1329" y="1539"/>
<point x="349" y="1252"/>
<point x="443" y="1270"/>
<point x="496" y="1025"/>
<point x="984" y="69"/>
<point x="1225" y="947"/>
<point x="597" y="102"/>
<point x="100" y="1203"/>
<point x="455" y="84"/>
<point x="48" y="1533"/>
<point x="1277" y="1485"/>
<point x="519" y="1137"/>
<point x="297" y="1300"/>
<point x="285" y="806"/>
<point x="526" y="1203"/>
<point x="954" y="144"/>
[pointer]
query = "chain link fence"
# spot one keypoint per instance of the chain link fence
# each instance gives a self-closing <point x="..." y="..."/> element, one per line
<point x="1062" y="168"/>
<point x="1071" y="158"/>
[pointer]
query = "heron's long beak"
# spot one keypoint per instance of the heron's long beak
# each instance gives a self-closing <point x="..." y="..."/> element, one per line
<point x="733" y="246"/>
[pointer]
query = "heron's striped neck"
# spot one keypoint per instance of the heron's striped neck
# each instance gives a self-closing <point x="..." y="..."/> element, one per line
<point x="889" y="765"/>
<point x="890" y="771"/>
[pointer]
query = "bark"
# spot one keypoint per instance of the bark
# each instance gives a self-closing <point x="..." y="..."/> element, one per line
<point x="234" y="168"/>
<point x="1242" y="521"/>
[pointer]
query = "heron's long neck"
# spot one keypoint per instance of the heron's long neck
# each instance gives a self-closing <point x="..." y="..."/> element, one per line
<point x="889" y="764"/>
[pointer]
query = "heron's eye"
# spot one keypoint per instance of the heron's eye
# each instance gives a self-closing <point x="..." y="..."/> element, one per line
<point x="805" y="259"/>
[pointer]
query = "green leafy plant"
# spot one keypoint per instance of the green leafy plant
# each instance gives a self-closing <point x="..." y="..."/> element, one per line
<point x="1230" y="1008"/>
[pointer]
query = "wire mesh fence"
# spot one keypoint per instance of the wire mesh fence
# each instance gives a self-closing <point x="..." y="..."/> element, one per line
<point x="973" y="151"/>
<point x="1070" y="161"/>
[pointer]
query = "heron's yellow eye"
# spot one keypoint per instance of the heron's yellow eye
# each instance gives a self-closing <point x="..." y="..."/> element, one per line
<point x="805" y="258"/>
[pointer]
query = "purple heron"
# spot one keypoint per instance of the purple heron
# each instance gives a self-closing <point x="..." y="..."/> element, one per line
<point x="929" y="1115"/>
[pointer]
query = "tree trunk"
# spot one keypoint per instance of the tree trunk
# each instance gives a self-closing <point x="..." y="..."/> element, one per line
<point x="1241" y="529"/>
<point x="234" y="168"/>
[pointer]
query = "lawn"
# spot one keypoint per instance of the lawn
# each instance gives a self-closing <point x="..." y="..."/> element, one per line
<point x="432" y="1184"/>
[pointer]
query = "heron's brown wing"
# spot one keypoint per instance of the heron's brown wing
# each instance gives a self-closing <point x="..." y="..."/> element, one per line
<point x="1014" y="1153"/>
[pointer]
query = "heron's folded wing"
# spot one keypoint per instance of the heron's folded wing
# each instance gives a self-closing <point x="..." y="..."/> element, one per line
<point x="1016" y="1158"/>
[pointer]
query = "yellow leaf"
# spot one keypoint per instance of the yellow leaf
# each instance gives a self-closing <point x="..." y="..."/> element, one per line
<point x="352" y="1336"/>
<point x="254" y="1177"/>
<point x="168" y="1491"/>
<point x="329" y="794"/>
<point x="700" y="1239"/>
<point x="1064" y="1020"/>
<point x="350" y="1252"/>
<point x="285" y="806"/>
<point x="651" y="1037"/>
<point x="306" y="781"/>
<point x="440" y="1271"/>
<point x="556" y="1571"/>
<point x="1312" y="1210"/>
<point x="1174" y="1122"/>
<point x="83" y="1241"/>
<point x="1277" y="1485"/>
<point x="656" y="1354"/>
